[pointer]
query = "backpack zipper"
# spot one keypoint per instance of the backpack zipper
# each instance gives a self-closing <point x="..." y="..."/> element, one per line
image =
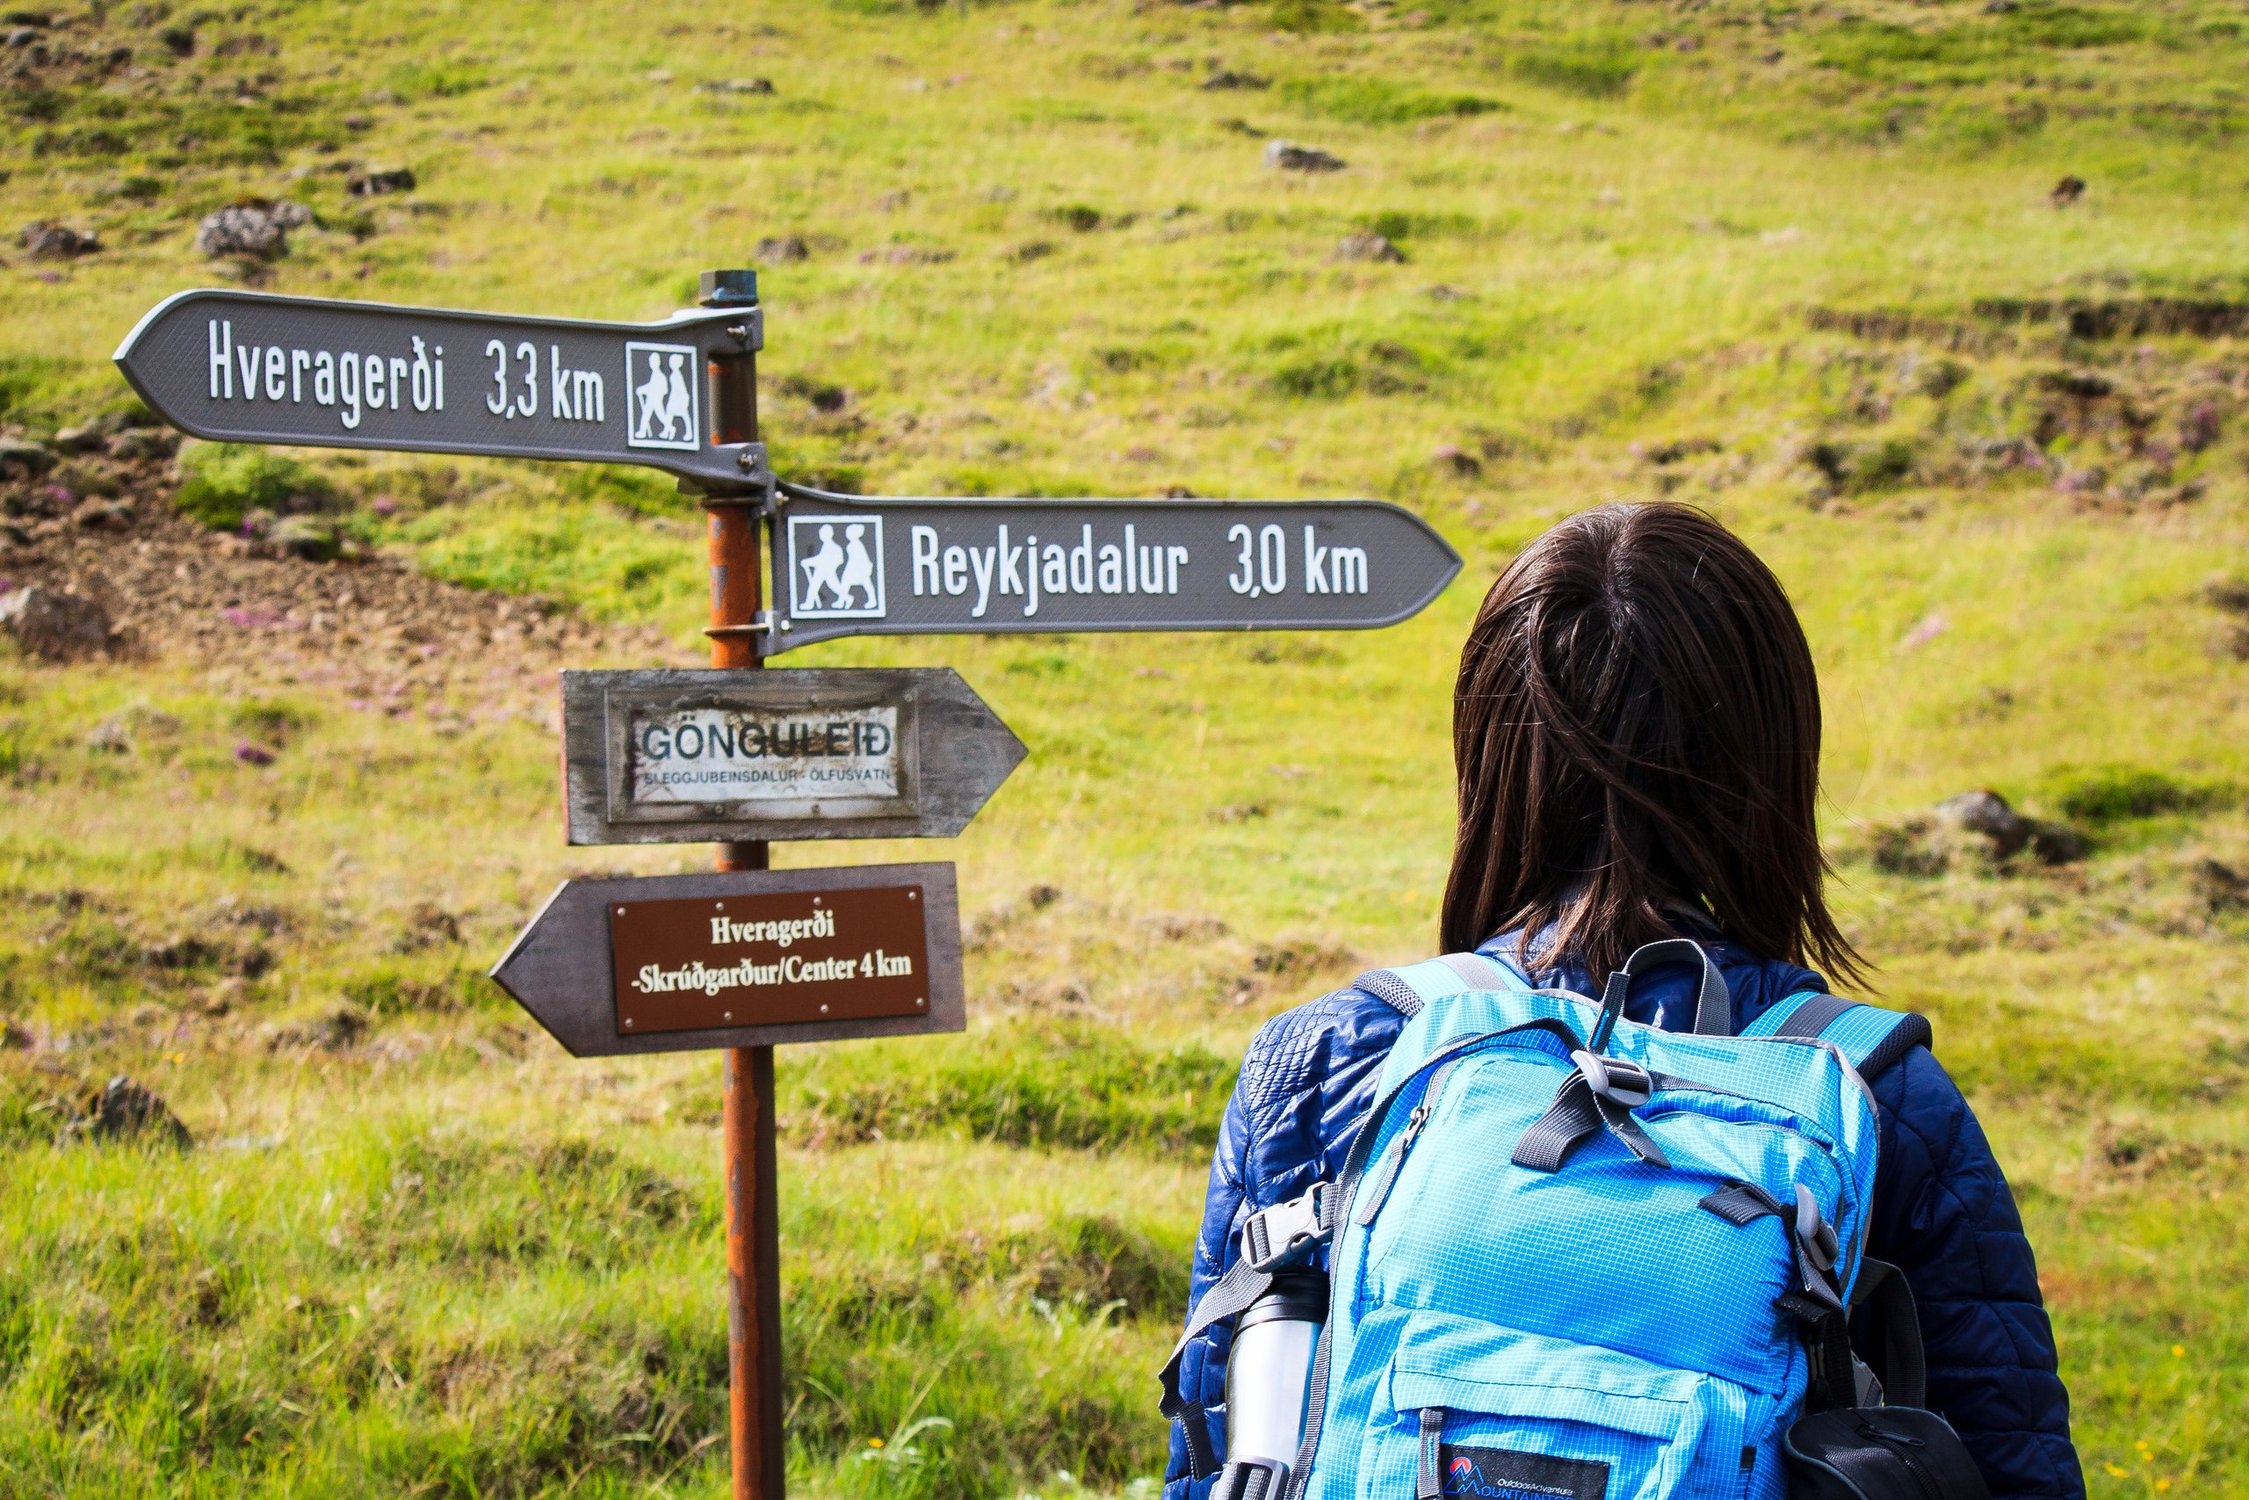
<point x="1903" y="1445"/>
<point x="1394" y="1162"/>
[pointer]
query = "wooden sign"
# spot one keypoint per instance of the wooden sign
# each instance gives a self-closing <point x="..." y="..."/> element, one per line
<point x="742" y="958"/>
<point x="692" y="963"/>
<point x="709" y="755"/>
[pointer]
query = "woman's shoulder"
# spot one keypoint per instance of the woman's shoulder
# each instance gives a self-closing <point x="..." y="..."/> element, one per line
<point x="1309" y="1043"/>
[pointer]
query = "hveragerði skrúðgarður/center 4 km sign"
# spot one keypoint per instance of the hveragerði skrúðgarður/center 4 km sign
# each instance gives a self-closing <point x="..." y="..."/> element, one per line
<point x="250" y="367"/>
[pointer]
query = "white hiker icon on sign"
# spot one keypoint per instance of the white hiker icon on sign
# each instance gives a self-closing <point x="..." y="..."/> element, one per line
<point x="662" y="379"/>
<point x="838" y="567"/>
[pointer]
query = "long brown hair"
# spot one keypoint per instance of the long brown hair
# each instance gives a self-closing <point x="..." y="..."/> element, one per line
<point x="1636" y="726"/>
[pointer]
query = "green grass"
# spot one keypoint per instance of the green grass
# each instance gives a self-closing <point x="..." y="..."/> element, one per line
<point x="1765" y="259"/>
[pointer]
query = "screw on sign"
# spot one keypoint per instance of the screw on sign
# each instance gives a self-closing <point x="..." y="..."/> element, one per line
<point x="745" y="958"/>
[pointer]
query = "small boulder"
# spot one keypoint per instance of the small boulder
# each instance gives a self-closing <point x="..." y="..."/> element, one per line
<point x="1365" y="244"/>
<point x="2067" y="191"/>
<point x="96" y="514"/>
<point x="51" y="625"/>
<point x="1288" y="156"/>
<point x="1228" y="79"/>
<point x="144" y="443"/>
<point x="736" y="86"/>
<point x="373" y="182"/>
<point x="47" y="240"/>
<point x="1457" y="460"/>
<point x="305" y="537"/>
<point x="783" y="250"/>
<point x="125" y="1110"/>
<point x="2006" y="832"/>
<point x="20" y="460"/>
<point x="250" y="231"/>
<point x="1986" y="812"/>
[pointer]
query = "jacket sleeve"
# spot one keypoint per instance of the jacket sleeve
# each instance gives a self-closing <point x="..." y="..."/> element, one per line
<point x="1305" y="1082"/>
<point x="1944" y="1216"/>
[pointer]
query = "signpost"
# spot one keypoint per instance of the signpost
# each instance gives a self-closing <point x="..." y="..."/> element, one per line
<point x="745" y="958"/>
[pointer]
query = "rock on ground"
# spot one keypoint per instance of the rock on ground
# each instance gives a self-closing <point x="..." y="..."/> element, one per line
<point x="258" y="231"/>
<point x="1367" y="245"/>
<point x="125" y="1110"/>
<point x="375" y="181"/>
<point x="47" y="240"/>
<point x="1288" y="156"/>
<point x="52" y="625"/>
<point x="1976" y="825"/>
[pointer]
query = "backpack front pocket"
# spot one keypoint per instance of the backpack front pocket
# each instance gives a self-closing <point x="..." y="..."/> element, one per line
<point x="1481" y="1412"/>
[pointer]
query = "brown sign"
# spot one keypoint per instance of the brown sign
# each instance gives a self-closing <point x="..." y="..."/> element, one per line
<point x="762" y="960"/>
<point x="742" y="958"/>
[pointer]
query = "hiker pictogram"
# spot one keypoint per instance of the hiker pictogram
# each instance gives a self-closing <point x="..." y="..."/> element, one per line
<point x="842" y="576"/>
<point x="662" y="381"/>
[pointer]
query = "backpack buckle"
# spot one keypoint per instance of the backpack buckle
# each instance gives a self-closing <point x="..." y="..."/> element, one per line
<point x="1282" y="1235"/>
<point x="1622" y="1083"/>
<point x="1813" y="1232"/>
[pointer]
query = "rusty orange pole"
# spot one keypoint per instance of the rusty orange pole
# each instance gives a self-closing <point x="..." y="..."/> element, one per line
<point x="753" y="1226"/>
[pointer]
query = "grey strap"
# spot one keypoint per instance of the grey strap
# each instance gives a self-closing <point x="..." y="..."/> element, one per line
<point x="1714" y="1006"/>
<point x="1428" y="1484"/>
<point x="1816" y="1294"/>
<point x="1390" y="990"/>
<point x="1273" y="1239"/>
<point x="1811" y="1018"/>
<point x="1479" y="972"/>
<point x="1896" y="1330"/>
<point x="1231" y="1294"/>
<point x="1578" y="1112"/>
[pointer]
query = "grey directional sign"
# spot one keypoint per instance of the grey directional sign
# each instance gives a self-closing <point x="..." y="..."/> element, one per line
<point x="669" y="756"/>
<point x="246" y="367"/>
<point x="741" y="958"/>
<point x="855" y="565"/>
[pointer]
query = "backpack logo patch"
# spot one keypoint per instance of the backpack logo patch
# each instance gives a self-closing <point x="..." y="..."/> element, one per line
<point x="1504" y="1474"/>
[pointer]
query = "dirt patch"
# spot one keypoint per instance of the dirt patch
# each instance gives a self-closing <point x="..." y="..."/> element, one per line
<point x="376" y="632"/>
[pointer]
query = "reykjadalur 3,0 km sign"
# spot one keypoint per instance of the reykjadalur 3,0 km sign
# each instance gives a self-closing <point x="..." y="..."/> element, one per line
<point x="850" y="565"/>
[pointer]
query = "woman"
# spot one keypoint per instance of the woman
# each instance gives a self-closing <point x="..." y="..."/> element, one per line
<point x="1636" y="731"/>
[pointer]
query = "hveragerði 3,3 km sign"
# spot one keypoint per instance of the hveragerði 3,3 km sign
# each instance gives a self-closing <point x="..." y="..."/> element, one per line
<point x="856" y="565"/>
<point x="253" y="368"/>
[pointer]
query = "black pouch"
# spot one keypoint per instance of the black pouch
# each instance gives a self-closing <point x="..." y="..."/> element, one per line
<point x="1879" y="1453"/>
<point x="1846" y="1448"/>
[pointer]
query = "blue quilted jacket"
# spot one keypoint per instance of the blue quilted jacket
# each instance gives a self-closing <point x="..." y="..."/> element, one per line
<point x="1942" y="1211"/>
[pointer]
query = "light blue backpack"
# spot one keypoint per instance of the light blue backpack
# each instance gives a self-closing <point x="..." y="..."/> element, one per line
<point x="1575" y="1256"/>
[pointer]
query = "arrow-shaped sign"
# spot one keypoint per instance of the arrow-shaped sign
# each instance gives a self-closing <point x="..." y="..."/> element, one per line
<point x="855" y="565"/>
<point x="747" y="958"/>
<point x="248" y="367"/>
<point x="721" y="755"/>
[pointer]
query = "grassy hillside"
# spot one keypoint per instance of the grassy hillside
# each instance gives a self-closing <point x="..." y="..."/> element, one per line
<point x="1819" y="272"/>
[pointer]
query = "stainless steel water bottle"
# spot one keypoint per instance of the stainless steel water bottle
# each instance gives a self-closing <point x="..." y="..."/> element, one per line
<point x="1268" y="1381"/>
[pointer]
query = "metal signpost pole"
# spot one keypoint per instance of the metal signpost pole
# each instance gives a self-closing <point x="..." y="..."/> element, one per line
<point x="753" y="1231"/>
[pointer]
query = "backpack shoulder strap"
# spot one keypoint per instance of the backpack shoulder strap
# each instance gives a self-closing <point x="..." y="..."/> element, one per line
<point x="1410" y="989"/>
<point x="1871" y="1037"/>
